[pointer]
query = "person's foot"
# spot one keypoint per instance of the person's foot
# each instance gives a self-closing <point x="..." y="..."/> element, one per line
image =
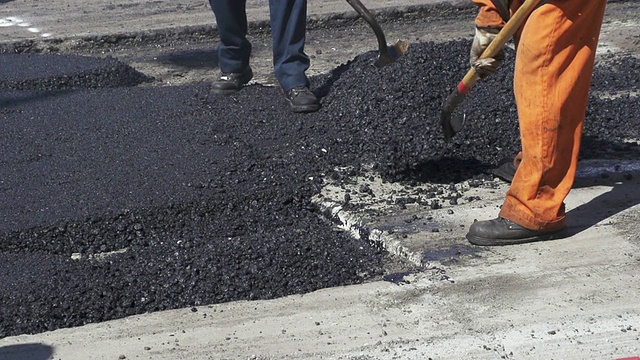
<point x="505" y="172"/>
<point x="229" y="83"/>
<point x="302" y="100"/>
<point x="501" y="231"/>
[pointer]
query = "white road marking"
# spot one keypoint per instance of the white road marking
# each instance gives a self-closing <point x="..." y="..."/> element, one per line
<point x="6" y="22"/>
<point x="16" y="21"/>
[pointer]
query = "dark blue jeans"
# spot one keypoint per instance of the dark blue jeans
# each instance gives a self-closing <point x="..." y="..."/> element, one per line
<point x="288" y="27"/>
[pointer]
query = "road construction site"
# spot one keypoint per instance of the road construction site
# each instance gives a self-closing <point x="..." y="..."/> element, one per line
<point x="142" y="217"/>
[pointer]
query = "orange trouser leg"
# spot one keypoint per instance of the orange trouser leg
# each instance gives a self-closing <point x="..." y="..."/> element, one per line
<point x="553" y="71"/>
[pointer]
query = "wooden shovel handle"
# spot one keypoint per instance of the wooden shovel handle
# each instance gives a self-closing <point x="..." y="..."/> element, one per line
<point x="500" y="41"/>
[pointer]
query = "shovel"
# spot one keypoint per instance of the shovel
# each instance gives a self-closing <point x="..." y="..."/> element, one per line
<point x="452" y="125"/>
<point x="388" y="54"/>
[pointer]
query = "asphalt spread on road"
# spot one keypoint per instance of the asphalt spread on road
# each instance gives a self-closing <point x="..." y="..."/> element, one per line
<point x="123" y="200"/>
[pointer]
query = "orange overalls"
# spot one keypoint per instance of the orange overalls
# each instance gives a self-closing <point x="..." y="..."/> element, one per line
<point x="553" y="71"/>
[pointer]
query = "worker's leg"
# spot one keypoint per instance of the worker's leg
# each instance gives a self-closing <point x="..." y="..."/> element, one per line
<point x="554" y="66"/>
<point x="288" y="27"/>
<point x="235" y="49"/>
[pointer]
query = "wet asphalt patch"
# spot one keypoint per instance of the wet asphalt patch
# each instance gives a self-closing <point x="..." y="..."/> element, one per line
<point x="121" y="201"/>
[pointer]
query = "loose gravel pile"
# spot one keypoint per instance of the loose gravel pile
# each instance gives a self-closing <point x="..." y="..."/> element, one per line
<point x="123" y="201"/>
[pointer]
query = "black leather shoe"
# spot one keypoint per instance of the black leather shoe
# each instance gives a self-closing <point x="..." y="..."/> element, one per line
<point x="301" y="99"/>
<point x="505" y="171"/>
<point x="500" y="231"/>
<point x="229" y="83"/>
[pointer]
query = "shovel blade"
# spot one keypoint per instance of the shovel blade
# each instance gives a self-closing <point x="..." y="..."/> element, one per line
<point x="393" y="53"/>
<point x="452" y="123"/>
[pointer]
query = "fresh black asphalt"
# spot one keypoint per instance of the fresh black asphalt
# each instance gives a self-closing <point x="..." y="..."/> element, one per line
<point x="119" y="198"/>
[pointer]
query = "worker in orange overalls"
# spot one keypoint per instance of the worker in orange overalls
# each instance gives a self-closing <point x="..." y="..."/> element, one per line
<point x="555" y="51"/>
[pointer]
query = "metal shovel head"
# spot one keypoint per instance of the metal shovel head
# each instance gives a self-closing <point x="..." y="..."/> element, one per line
<point x="452" y="123"/>
<point x="393" y="53"/>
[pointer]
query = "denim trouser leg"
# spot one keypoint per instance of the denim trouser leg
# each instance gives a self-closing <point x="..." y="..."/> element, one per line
<point x="235" y="49"/>
<point x="288" y="26"/>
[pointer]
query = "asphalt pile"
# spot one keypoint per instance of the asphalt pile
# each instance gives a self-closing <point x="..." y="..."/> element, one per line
<point x="121" y="201"/>
<point x="63" y="72"/>
<point x="390" y="116"/>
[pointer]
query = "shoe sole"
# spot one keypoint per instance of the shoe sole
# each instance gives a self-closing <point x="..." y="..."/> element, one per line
<point x="482" y="241"/>
<point x="225" y="92"/>
<point x="304" y="108"/>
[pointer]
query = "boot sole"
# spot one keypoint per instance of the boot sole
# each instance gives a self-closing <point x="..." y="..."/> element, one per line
<point x="225" y="92"/>
<point x="304" y="108"/>
<point x="482" y="241"/>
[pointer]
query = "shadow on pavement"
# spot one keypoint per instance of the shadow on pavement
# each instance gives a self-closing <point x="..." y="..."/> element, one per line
<point x="623" y="195"/>
<point x="17" y="97"/>
<point x="26" y="352"/>
<point x="593" y="147"/>
<point x="445" y="170"/>
<point x="191" y="59"/>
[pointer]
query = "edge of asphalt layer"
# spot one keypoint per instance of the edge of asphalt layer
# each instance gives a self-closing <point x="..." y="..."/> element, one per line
<point x="451" y="9"/>
<point x="430" y="238"/>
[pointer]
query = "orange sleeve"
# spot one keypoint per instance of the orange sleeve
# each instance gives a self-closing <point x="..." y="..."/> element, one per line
<point x="488" y="15"/>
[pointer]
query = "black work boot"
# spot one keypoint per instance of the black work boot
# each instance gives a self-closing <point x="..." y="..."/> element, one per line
<point x="301" y="100"/>
<point x="505" y="171"/>
<point x="501" y="231"/>
<point x="507" y="168"/>
<point x="229" y="83"/>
